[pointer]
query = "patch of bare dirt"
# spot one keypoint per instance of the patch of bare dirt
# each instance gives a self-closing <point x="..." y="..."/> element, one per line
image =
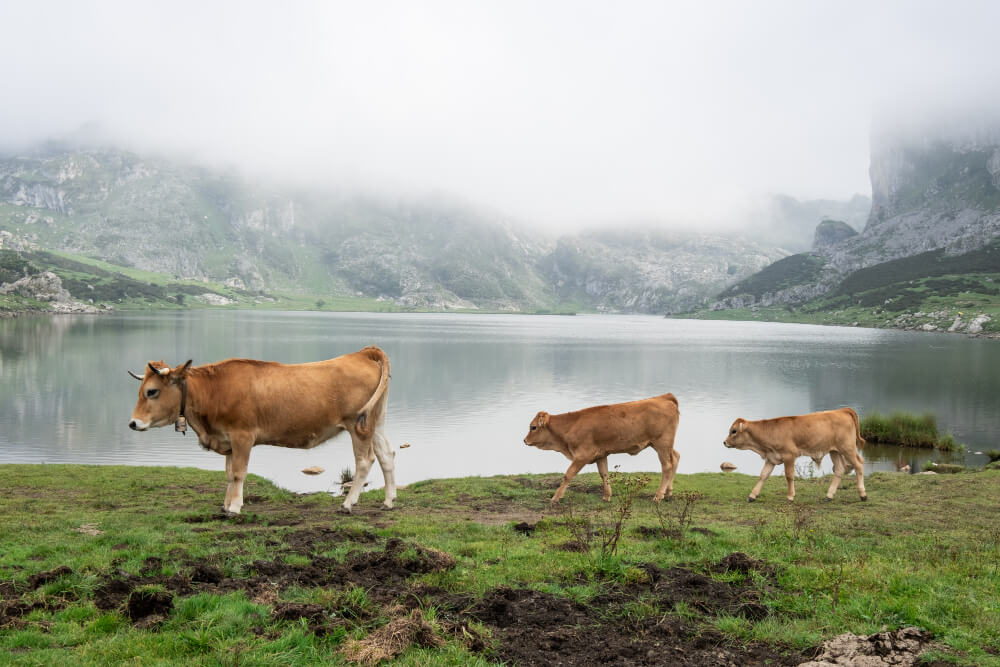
<point x="536" y="628"/>
<point x="42" y="578"/>
<point x="900" y="648"/>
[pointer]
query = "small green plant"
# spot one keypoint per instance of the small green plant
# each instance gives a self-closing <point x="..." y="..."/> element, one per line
<point x="621" y="509"/>
<point x="994" y="454"/>
<point x="675" y="517"/>
<point x="346" y="476"/>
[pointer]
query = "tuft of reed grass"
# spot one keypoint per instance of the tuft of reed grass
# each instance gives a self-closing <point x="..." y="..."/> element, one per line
<point x="906" y="430"/>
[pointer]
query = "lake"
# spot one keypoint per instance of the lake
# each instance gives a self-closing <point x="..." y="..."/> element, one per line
<point x="465" y="387"/>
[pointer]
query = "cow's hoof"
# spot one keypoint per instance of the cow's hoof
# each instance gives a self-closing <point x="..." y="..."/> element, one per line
<point x="864" y="498"/>
<point x="826" y="500"/>
<point x="606" y="499"/>
<point x="751" y="499"/>
<point x="387" y="507"/>
<point x="344" y="510"/>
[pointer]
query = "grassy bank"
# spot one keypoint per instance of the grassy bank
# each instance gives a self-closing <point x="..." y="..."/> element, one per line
<point x="906" y="430"/>
<point x="112" y="564"/>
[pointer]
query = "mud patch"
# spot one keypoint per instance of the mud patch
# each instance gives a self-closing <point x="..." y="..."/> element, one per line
<point x="899" y="648"/>
<point x="206" y="574"/>
<point x="525" y="528"/>
<point x="42" y="578"/>
<point x="144" y="604"/>
<point x="536" y="628"/>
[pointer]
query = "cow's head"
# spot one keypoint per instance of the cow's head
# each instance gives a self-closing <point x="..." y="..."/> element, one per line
<point x="739" y="437"/>
<point x="538" y="432"/>
<point x="159" y="395"/>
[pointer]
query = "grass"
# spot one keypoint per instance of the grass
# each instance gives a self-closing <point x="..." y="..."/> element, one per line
<point x="922" y="551"/>
<point x="906" y="430"/>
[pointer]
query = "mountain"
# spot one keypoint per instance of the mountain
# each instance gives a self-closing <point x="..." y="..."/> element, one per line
<point x="195" y="224"/>
<point x="935" y="213"/>
<point x="788" y="222"/>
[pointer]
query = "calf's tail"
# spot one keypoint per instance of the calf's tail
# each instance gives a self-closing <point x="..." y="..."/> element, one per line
<point x="861" y="442"/>
<point x="362" y="425"/>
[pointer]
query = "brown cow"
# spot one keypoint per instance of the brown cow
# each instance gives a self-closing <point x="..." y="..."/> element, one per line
<point x="235" y="404"/>
<point x="588" y="436"/>
<point x="784" y="439"/>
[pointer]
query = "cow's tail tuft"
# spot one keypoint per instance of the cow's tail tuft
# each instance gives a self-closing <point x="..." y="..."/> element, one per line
<point x="362" y="425"/>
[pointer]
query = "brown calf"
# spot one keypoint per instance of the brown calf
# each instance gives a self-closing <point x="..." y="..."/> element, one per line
<point x="235" y="404"/>
<point x="590" y="435"/>
<point x="784" y="439"/>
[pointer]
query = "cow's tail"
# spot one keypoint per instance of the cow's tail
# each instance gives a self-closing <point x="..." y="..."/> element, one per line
<point x="861" y="442"/>
<point x="363" y="426"/>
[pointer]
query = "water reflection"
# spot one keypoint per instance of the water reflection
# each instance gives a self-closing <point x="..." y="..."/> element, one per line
<point x="464" y="387"/>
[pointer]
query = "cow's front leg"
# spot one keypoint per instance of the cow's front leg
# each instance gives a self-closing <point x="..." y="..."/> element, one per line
<point x="229" y="482"/>
<point x="574" y="468"/>
<point x="602" y="468"/>
<point x="765" y="472"/>
<point x="790" y="477"/>
<point x="240" y="457"/>
<point x="364" y="456"/>
<point x="387" y="461"/>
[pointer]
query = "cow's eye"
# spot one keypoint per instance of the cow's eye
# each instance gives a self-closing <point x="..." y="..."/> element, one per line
<point x="533" y="428"/>
<point x="733" y="431"/>
<point x="151" y="393"/>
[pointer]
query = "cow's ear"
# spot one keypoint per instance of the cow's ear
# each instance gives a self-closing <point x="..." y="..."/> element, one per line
<point x="741" y="425"/>
<point x="543" y="419"/>
<point x="180" y="372"/>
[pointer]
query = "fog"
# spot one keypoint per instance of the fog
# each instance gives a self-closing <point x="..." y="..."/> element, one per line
<point x="564" y="114"/>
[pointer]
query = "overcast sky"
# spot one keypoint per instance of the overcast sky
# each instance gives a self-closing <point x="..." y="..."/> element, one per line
<point x="560" y="113"/>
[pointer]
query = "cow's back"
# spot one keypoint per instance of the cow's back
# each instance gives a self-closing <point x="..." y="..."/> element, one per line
<point x="295" y="405"/>
<point x="623" y="427"/>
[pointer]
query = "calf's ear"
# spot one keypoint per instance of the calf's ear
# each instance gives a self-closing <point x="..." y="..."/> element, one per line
<point x="741" y="425"/>
<point x="543" y="419"/>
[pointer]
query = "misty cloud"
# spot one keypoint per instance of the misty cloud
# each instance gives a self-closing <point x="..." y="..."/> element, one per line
<point x="562" y="113"/>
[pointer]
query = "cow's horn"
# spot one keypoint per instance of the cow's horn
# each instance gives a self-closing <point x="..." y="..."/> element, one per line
<point x="135" y="376"/>
<point x="159" y="371"/>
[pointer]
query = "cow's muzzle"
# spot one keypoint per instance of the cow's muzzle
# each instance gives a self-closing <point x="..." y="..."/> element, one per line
<point x="137" y="425"/>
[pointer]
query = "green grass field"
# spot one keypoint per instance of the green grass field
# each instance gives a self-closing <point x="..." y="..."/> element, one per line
<point x="127" y="564"/>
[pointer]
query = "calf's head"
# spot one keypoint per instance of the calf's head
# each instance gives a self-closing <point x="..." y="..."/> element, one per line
<point x="739" y="436"/>
<point x="538" y="432"/>
<point x="159" y="395"/>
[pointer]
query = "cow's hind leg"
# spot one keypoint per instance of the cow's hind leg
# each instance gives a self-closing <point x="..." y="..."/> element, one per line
<point x="602" y="468"/>
<point x="839" y="468"/>
<point x="229" y="482"/>
<point x="240" y="459"/>
<point x="765" y="472"/>
<point x="669" y="458"/>
<point x="859" y="470"/>
<point x="364" y="456"/>
<point x="790" y="477"/>
<point x="387" y="461"/>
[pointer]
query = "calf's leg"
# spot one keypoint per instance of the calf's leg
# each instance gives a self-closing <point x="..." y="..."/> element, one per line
<point x="602" y="467"/>
<point x="859" y="470"/>
<point x="574" y="468"/>
<point x="839" y="468"/>
<point x="790" y="477"/>
<point x="669" y="458"/>
<point x="765" y="472"/>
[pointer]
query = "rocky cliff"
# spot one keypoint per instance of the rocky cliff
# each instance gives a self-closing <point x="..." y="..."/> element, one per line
<point x="194" y="223"/>
<point x="931" y="193"/>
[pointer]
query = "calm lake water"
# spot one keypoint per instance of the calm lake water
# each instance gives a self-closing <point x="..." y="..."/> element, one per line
<point x="465" y="387"/>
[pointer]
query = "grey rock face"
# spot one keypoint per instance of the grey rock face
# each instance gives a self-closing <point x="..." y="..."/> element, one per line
<point x="832" y="232"/>
<point x="45" y="286"/>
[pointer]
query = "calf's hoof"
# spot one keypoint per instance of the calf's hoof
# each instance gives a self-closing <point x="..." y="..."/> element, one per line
<point x="826" y="500"/>
<point x="344" y="509"/>
<point x="864" y="498"/>
<point x="751" y="499"/>
<point x="386" y="507"/>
